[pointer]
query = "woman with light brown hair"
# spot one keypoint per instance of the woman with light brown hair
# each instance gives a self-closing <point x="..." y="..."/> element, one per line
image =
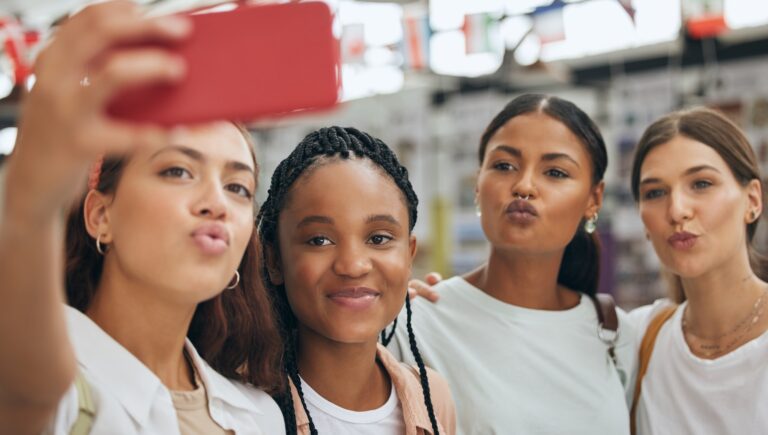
<point x="703" y="356"/>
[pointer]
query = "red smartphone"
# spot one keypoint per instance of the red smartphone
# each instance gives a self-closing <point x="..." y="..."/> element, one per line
<point x="244" y="64"/>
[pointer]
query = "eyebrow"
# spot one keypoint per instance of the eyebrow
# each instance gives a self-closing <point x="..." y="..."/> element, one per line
<point x="317" y="219"/>
<point x="314" y="219"/>
<point x="200" y="157"/>
<point x="548" y="157"/>
<point x="689" y="171"/>
<point x="382" y="218"/>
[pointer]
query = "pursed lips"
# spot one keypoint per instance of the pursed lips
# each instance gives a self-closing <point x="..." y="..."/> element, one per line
<point x="211" y="238"/>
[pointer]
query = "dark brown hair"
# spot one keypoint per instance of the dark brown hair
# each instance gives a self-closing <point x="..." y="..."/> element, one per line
<point x="714" y="130"/>
<point x="580" y="267"/>
<point x="235" y="332"/>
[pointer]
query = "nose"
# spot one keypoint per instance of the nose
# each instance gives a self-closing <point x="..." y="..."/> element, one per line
<point x="212" y="202"/>
<point x="680" y="210"/>
<point x="524" y="187"/>
<point x="351" y="261"/>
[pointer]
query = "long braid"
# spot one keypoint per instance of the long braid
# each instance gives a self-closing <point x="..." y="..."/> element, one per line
<point x="422" y="369"/>
<point x="293" y="372"/>
<point x="386" y="337"/>
<point x="317" y="148"/>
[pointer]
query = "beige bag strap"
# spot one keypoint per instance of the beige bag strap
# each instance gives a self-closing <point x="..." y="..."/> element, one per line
<point x="86" y="408"/>
<point x="646" y="349"/>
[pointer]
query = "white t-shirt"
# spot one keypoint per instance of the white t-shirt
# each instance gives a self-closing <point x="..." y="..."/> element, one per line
<point x="683" y="394"/>
<point x="131" y="400"/>
<point x="330" y="418"/>
<point x="518" y="370"/>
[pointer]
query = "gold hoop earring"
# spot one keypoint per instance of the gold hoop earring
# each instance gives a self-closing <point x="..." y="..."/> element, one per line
<point x="591" y="224"/>
<point x="237" y="281"/>
<point x="99" y="247"/>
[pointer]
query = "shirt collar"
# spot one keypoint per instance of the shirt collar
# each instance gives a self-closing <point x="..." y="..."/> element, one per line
<point x="113" y="366"/>
<point x="218" y="387"/>
<point x="131" y="382"/>
<point x="407" y="388"/>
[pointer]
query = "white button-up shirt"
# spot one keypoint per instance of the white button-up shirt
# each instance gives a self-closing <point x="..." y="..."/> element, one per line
<point x="130" y="399"/>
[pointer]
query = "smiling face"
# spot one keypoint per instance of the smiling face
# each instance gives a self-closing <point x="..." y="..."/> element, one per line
<point x="693" y="208"/>
<point x="345" y="250"/>
<point x="181" y="216"/>
<point x="535" y="185"/>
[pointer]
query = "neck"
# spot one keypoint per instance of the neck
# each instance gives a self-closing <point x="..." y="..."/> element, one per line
<point x="152" y="330"/>
<point x="346" y="374"/>
<point x="528" y="281"/>
<point x="722" y="297"/>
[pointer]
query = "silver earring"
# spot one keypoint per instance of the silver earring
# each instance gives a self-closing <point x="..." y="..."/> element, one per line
<point x="478" y="212"/>
<point x="237" y="281"/>
<point x="99" y="248"/>
<point x="591" y="224"/>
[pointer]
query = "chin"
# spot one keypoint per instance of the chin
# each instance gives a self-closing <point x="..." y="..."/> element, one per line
<point x="198" y="292"/>
<point x="688" y="268"/>
<point x="359" y="335"/>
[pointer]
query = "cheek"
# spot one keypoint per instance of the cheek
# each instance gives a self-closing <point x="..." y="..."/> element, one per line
<point x="243" y="227"/>
<point x="396" y="268"/>
<point x="140" y="217"/>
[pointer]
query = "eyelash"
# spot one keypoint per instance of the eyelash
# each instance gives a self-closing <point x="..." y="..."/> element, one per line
<point x="386" y="238"/>
<point x="245" y="192"/>
<point x="173" y="172"/>
<point x="313" y="240"/>
<point x="504" y="166"/>
<point x="179" y="172"/>
<point x="696" y="185"/>
<point x="557" y="173"/>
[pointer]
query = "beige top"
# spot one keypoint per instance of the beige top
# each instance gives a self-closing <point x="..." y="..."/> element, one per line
<point x="408" y="389"/>
<point x="192" y="411"/>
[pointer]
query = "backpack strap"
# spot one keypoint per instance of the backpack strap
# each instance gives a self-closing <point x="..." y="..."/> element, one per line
<point x="607" y="322"/>
<point x="86" y="408"/>
<point x="646" y="349"/>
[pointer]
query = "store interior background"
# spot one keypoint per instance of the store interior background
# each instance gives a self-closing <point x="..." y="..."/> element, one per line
<point x="426" y="76"/>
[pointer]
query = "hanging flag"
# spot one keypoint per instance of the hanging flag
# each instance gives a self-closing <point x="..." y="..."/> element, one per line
<point x="548" y="22"/>
<point x="415" y="43"/>
<point x="481" y="33"/>
<point x="704" y="18"/>
<point x="627" y="6"/>
<point x="353" y="44"/>
<point x="17" y="44"/>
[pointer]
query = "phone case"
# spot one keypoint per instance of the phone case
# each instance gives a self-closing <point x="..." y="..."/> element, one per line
<point x="244" y="64"/>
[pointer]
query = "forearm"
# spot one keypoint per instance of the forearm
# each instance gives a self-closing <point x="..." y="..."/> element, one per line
<point x="36" y="359"/>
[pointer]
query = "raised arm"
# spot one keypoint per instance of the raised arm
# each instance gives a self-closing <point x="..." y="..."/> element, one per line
<point x="63" y="128"/>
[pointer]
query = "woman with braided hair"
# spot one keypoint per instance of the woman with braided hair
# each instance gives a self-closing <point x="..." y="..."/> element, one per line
<point x="336" y="231"/>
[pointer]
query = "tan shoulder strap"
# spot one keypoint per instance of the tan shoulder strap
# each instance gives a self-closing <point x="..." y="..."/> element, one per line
<point x="646" y="349"/>
<point x="86" y="408"/>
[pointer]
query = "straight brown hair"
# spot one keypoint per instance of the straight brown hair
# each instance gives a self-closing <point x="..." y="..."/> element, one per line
<point x="716" y="131"/>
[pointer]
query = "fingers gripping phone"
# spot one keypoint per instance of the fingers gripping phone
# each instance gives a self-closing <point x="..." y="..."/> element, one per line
<point x="244" y="64"/>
